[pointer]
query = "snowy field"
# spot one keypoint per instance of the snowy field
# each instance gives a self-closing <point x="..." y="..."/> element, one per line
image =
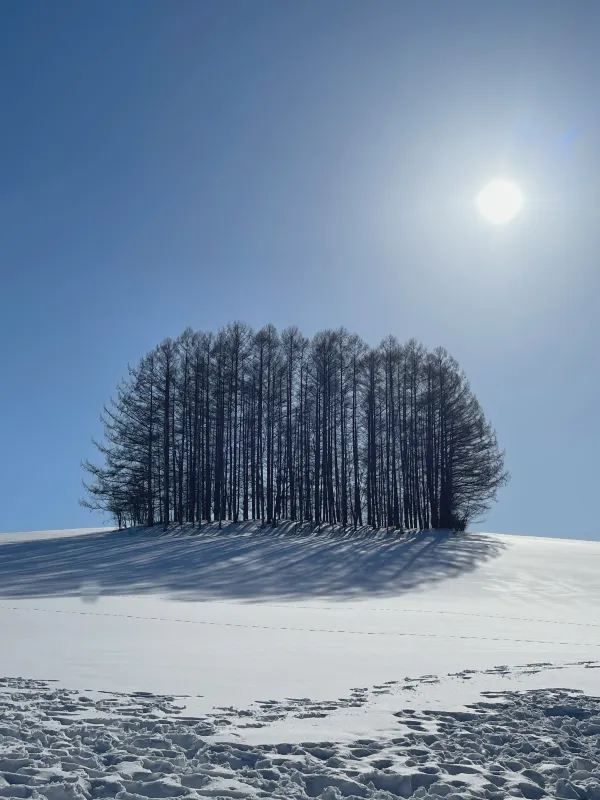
<point x="292" y="664"/>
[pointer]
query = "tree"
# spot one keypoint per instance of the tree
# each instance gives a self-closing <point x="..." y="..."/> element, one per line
<point x="267" y="426"/>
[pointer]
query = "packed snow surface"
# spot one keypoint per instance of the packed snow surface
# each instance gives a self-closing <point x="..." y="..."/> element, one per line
<point x="288" y="663"/>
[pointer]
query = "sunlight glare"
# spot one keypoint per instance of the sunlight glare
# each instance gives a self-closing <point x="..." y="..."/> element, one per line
<point x="500" y="201"/>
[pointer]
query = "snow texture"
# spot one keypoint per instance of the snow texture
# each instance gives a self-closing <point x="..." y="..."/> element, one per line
<point x="61" y="744"/>
<point x="295" y="664"/>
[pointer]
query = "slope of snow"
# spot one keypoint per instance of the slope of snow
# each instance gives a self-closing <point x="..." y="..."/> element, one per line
<point x="37" y="536"/>
<point x="268" y="638"/>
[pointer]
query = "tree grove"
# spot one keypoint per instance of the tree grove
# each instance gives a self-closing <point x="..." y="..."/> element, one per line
<point x="264" y="425"/>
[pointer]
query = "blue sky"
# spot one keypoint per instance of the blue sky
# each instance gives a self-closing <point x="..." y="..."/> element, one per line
<point x="192" y="163"/>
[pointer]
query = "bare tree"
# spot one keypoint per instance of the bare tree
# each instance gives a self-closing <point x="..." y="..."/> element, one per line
<point x="256" y="425"/>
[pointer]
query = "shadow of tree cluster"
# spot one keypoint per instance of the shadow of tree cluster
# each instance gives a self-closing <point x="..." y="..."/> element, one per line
<point x="241" y="561"/>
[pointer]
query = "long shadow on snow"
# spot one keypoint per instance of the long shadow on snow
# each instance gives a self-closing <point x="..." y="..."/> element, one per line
<point x="246" y="564"/>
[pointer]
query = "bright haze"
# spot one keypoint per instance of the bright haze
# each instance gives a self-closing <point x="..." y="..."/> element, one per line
<point x="167" y="165"/>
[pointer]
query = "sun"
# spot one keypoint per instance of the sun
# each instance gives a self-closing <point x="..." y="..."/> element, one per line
<point x="500" y="201"/>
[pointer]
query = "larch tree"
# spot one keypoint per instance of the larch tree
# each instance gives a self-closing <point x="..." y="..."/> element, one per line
<point x="243" y="425"/>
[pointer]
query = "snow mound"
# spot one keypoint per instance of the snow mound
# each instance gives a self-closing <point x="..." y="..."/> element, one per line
<point x="252" y="663"/>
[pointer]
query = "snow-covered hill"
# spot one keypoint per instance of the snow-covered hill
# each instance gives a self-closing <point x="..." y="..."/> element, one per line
<point x="201" y="663"/>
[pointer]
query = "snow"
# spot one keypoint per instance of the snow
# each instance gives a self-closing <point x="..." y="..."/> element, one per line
<point x="423" y="651"/>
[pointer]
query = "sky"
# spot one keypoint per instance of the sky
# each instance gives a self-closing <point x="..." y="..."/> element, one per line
<point x="167" y="165"/>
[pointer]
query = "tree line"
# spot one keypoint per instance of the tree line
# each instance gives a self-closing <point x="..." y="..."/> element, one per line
<point x="267" y="426"/>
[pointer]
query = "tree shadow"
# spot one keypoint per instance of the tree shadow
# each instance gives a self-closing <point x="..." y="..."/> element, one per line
<point x="242" y="562"/>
